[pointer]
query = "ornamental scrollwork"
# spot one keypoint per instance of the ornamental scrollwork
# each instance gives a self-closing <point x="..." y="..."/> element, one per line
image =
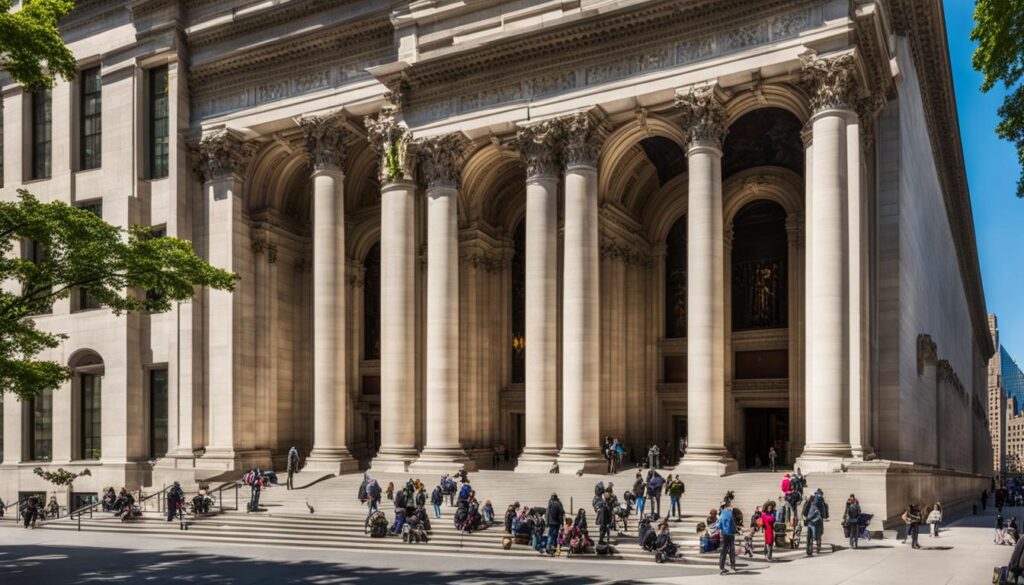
<point x="582" y="139"/>
<point x="538" y="146"/>
<point x="393" y="143"/>
<point x="832" y="80"/>
<point x="440" y="159"/>
<point x="219" y="155"/>
<point x="324" y="139"/>
<point x="704" y="120"/>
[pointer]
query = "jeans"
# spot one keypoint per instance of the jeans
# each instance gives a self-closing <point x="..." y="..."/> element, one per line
<point x="437" y="510"/>
<point x="605" y="533"/>
<point x="854" y="535"/>
<point x="728" y="549"/>
<point x="676" y="508"/>
<point x="656" y="504"/>
<point x="915" y="529"/>
<point x="552" y="536"/>
<point x="373" y="505"/>
<point x="768" y="549"/>
<point x="291" y="474"/>
<point x="813" y="534"/>
<point x="640" y="500"/>
<point x="254" y="502"/>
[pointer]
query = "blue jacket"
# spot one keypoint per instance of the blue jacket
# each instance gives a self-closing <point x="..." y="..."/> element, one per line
<point x="726" y="523"/>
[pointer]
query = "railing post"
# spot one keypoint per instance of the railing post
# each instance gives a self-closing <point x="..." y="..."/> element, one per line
<point x="236" y="497"/>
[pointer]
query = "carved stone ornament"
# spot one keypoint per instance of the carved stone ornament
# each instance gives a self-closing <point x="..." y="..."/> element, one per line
<point x="488" y="262"/>
<point x="538" y="145"/>
<point x="704" y="119"/>
<point x="832" y="80"/>
<point x="927" y="352"/>
<point x="582" y="143"/>
<point x="219" y="155"/>
<point x="441" y="159"/>
<point x="868" y="108"/>
<point x="325" y="141"/>
<point x="392" y="142"/>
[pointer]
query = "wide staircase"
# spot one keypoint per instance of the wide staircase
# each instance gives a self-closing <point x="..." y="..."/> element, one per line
<point x="324" y="512"/>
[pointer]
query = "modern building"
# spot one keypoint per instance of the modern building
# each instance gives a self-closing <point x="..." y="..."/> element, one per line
<point x="468" y="228"/>
<point x="1006" y="409"/>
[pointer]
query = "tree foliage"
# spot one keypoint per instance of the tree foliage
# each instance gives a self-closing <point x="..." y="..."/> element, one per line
<point x="31" y="48"/>
<point x="80" y="251"/>
<point x="61" y="477"/>
<point x="999" y="31"/>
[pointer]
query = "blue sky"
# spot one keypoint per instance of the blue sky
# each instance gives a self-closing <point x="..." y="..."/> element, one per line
<point x="992" y="172"/>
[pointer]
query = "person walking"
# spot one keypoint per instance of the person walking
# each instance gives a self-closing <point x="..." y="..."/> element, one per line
<point x="727" y="530"/>
<point x="436" y="499"/>
<point x="604" y="518"/>
<point x="257" y="487"/>
<point x="814" y="517"/>
<point x="373" y="493"/>
<point x="676" y="489"/>
<point x="851" y="520"/>
<point x="767" y="522"/>
<point x="555" y="516"/>
<point x="654" y="484"/>
<point x="912" y="518"/>
<point x="175" y="499"/>
<point x="934" y="519"/>
<point x="772" y="457"/>
<point x="682" y="446"/>
<point x="654" y="457"/>
<point x="640" y="492"/>
<point x="292" y="466"/>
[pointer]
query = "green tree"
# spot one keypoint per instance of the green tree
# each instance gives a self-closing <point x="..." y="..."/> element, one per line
<point x="50" y="250"/>
<point x="31" y="48"/>
<point x="999" y="31"/>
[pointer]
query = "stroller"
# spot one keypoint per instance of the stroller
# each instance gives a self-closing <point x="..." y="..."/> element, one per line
<point x="862" y="524"/>
<point x="794" y="537"/>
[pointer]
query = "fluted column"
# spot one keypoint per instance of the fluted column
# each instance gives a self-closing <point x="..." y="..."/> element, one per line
<point x="581" y="335"/>
<point x="443" y="452"/>
<point x="537" y="145"/>
<point x="827" y="358"/>
<point x="325" y="148"/>
<point x="704" y="124"/>
<point x="397" y="295"/>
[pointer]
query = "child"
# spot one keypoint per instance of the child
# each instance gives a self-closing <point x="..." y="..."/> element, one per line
<point x="391" y="490"/>
<point x="748" y="541"/>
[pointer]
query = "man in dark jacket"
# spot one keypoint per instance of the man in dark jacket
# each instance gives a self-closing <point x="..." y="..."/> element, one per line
<point x="852" y="519"/>
<point x="604" y="518"/>
<point x="292" y="466"/>
<point x="175" y="499"/>
<point x="654" y="485"/>
<point x="555" y="516"/>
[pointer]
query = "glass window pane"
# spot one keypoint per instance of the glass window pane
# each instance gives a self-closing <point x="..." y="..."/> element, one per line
<point x="42" y="426"/>
<point x="157" y="413"/>
<point x="91" y="416"/>
<point x="159" y="115"/>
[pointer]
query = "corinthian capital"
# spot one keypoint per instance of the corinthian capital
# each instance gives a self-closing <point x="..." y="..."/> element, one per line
<point x="832" y="80"/>
<point x="325" y="141"/>
<point x="219" y="155"/>
<point x="441" y="159"/>
<point x="538" y="145"/>
<point x="582" y="139"/>
<point x="704" y="119"/>
<point x="392" y="142"/>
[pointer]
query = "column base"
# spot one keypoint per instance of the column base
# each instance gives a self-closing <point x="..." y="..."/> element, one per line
<point x="227" y="459"/>
<point x="824" y="458"/>
<point x="394" y="459"/>
<point x="538" y="460"/>
<point x="442" y="460"/>
<point x="707" y="461"/>
<point x="581" y="460"/>
<point x="335" y="460"/>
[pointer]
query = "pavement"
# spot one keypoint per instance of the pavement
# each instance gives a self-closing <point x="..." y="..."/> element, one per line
<point x="963" y="554"/>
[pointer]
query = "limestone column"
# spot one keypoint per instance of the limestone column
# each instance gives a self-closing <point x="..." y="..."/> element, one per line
<point x="705" y="128"/>
<point x="581" y="331"/>
<point x="397" y="295"/>
<point x="443" y="451"/>
<point x="827" y="358"/>
<point x="325" y="148"/>
<point x="537" y="146"/>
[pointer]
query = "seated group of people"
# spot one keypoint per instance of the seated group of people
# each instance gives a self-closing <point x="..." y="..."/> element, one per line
<point x="658" y="541"/>
<point x="469" y="515"/>
<point x="1006" y="530"/>
<point x="121" y="504"/>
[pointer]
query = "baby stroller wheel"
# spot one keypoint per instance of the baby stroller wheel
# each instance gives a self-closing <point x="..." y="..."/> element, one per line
<point x="659" y="557"/>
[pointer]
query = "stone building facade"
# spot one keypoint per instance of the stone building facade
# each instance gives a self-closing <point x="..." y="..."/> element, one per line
<point x="1006" y="409"/>
<point x="515" y="227"/>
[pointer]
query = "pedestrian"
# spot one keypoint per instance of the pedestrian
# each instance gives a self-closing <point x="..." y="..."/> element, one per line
<point x="175" y="500"/>
<point x="640" y="492"/>
<point x="555" y="517"/>
<point x="798" y="482"/>
<point x="654" y="457"/>
<point x="604" y="519"/>
<point x="654" y="484"/>
<point x="373" y="492"/>
<point x="30" y="512"/>
<point x="676" y="489"/>
<point x="934" y="519"/>
<point x="257" y="487"/>
<point x="510" y="517"/>
<point x="727" y="530"/>
<point x="772" y="456"/>
<point x="912" y="518"/>
<point x="293" y="466"/>
<point x="436" y="499"/>
<point x="851" y="520"/>
<point x="815" y="513"/>
<point x="682" y="446"/>
<point x="767" y="524"/>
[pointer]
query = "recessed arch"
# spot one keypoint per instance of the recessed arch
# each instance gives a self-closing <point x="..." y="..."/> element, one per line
<point x="493" y="188"/>
<point x="625" y="167"/>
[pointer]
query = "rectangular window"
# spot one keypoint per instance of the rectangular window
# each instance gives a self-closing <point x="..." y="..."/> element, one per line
<point x="82" y="499"/>
<point x="40" y="427"/>
<point x="42" y="133"/>
<point x="86" y="301"/>
<point x="156" y="232"/>
<point x="157" y="413"/>
<point x="91" y="130"/>
<point x="92" y="391"/>
<point x="32" y="250"/>
<point x="159" y="121"/>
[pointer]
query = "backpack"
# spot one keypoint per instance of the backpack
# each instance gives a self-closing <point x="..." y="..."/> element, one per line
<point x="362" y="492"/>
<point x="599" y="489"/>
<point x="249" y="477"/>
<point x="378" y="526"/>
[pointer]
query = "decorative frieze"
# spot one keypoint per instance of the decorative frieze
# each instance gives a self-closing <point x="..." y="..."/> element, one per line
<point x="491" y="262"/>
<point x="615" y="250"/>
<point x="538" y="146"/>
<point x="440" y="159"/>
<point x="582" y="139"/>
<point x="595" y="68"/>
<point x="868" y="108"/>
<point x="704" y="120"/>
<point x="219" y="155"/>
<point x="393" y="144"/>
<point x="947" y="375"/>
<point x="927" y="352"/>
<point x="832" y="80"/>
<point x="325" y="141"/>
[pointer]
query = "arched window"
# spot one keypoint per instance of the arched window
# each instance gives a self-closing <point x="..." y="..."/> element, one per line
<point x="519" y="304"/>
<point x="759" y="271"/>
<point x="89" y="380"/>
<point x="675" y="280"/>
<point x="371" y="304"/>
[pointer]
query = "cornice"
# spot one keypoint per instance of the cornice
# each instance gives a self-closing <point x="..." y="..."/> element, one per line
<point x="924" y="24"/>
